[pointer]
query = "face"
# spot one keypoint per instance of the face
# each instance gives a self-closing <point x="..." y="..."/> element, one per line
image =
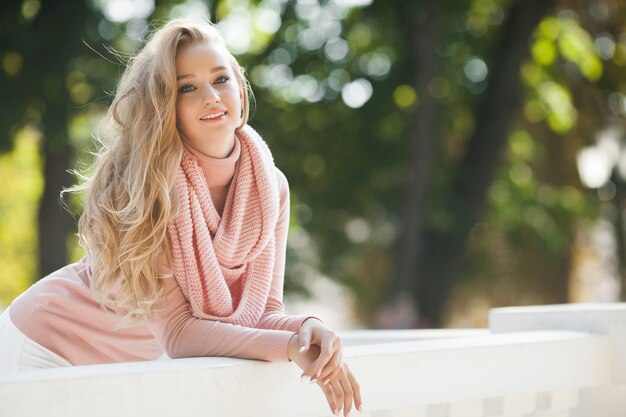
<point x="209" y="99"/>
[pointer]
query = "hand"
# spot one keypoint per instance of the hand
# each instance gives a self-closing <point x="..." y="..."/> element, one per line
<point x="313" y="331"/>
<point x="340" y="388"/>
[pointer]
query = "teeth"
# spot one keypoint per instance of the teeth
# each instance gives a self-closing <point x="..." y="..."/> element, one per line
<point x="213" y="116"/>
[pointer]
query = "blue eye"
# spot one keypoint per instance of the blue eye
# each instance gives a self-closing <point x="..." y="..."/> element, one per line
<point x="221" y="80"/>
<point x="186" y="88"/>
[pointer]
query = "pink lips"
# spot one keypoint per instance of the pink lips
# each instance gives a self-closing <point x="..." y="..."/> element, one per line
<point x="207" y="118"/>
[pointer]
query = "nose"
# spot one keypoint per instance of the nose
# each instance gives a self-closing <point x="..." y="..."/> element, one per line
<point x="210" y="96"/>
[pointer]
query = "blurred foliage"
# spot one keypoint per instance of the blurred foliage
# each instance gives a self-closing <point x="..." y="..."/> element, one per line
<point x="521" y="252"/>
<point x="20" y="176"/>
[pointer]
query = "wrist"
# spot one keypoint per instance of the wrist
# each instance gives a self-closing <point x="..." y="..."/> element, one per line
<point x="308" y="318"/>
<point x="293" y="346"/>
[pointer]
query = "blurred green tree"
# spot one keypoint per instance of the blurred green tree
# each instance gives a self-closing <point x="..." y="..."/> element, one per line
<point x="372" y="140"/>
<point x="41" y="44"/>
<point x="451" y="129"/>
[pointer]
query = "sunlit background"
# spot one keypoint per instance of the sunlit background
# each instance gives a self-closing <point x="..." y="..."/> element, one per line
<point x="442" y="161"/>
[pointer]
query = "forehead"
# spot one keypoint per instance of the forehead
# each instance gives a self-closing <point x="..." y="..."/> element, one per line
<point x="201" y="55"/>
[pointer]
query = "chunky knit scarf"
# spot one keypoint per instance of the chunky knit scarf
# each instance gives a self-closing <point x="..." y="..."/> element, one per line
<point x="224" y="265"/>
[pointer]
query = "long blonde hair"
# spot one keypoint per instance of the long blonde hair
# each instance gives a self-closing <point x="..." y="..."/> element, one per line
<point x="130" y="198"/>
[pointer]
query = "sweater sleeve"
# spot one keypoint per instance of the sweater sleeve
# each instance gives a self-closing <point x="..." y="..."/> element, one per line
<point x="274" y="316"/>
<point x="183" y="335"/>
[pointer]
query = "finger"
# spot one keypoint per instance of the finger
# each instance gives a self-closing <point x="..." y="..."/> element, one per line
<point x="334" y="362"/>
<point x="348" y="398"/>
<point x="315" y="369"/>
<point x="304" y="337"/>
<point x="330" y="398"/>
<point x="338" y="392"/>
<point x="332" y="365"/>
<point x="327" y="350"/>
<point x="356" y="388"/>
<point x="333" y="375"/>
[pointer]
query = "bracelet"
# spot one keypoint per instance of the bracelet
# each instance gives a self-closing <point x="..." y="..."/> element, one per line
<point x="311" y="317"/>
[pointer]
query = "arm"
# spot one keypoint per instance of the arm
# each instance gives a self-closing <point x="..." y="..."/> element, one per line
<point x="274" y="316"/>
<point x="183" y="335"/>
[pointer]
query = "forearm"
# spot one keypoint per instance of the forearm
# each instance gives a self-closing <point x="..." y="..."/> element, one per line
<point x="183" y="335"/>
<point x="278" y="320"/>
<point x="197" y="337"/>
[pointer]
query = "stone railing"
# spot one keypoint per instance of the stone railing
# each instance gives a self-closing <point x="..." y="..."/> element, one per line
<point x="564" y="360"/>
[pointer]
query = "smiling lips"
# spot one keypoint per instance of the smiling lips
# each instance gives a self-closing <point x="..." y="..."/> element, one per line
<point x="213" y="116"/>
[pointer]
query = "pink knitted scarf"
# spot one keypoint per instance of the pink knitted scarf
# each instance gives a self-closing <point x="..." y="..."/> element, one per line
<point x="224" y="265"/>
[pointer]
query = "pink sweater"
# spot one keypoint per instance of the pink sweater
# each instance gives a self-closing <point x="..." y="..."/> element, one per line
<point x="59" y="312"/>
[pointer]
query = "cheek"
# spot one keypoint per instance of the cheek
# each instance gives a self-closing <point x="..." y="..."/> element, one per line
<point x="235" y="94"/>
<point x="182" y="111"/>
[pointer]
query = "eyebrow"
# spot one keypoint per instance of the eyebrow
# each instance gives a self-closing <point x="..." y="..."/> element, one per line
<point x="184" y="76"/>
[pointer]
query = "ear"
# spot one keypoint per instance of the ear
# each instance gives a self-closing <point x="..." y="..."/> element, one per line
<point x="241" y="96"/>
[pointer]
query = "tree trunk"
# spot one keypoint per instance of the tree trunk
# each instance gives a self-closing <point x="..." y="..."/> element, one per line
<point x="443" y="258"/>
<point x="619" y="203"/>
<point x="55" y="224"/>
<point x="422" y="34"/>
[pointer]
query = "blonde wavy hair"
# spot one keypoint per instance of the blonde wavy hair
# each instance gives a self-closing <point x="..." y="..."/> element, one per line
<point x="130" y="198"/>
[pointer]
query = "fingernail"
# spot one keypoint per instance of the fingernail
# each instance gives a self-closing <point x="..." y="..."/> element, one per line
<point x="302" y="349"/>
<point x="336" y="412"/>
<point x="317" y="375"/>
<point x="313" y="381"/>
<point x="305" y="378"/>
<point x="349" y="413"/>
<point x="360" y="408"/>
<point x="326" y="381"/>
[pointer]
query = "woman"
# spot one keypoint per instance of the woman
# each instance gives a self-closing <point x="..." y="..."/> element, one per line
<point x="185" y="226"/>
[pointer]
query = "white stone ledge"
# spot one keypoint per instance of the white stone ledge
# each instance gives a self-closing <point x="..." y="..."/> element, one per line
<point x="603" y="319"/>
<point x="368" y="337"/>
<point x="444" y="376"/>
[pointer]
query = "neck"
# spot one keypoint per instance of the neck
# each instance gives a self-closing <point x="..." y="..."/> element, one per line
<point x="218" y="150"/>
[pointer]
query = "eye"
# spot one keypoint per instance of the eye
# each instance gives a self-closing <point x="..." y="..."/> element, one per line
<point x="186" y="88"/>
<point x="221" y="79"/>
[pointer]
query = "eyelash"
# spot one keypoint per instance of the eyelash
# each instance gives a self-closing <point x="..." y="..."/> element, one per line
<point x="188" y="87"/>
